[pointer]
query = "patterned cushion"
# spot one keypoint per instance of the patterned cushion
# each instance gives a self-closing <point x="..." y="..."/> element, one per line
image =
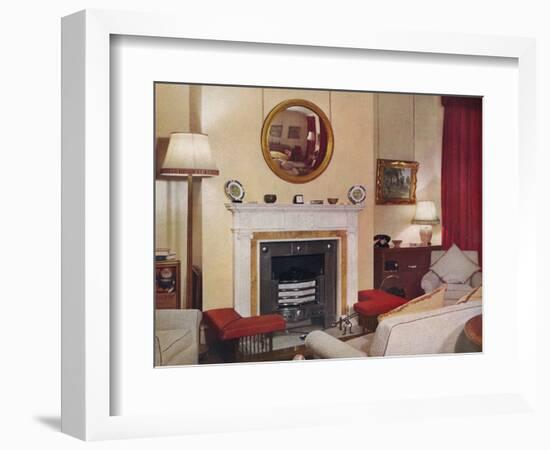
<point x="454" y="266"/>
<point x="426" y="302"/>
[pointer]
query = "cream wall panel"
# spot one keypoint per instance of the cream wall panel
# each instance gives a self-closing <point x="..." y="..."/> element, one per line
<point x="353" y="123"/>
<point x="428" y="142"/>
<point x="195" y="108"/>
<point x="426" y="113"/>
<point x="172" y="108"/>
<point x="232" y="117"/>
<point x="172" y="114"/>
<point x="396" y="129"/>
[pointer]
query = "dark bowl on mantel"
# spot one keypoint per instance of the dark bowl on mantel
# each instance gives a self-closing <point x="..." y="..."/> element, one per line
<point x="270" y="198"/>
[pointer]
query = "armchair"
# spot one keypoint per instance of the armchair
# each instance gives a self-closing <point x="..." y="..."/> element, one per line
<point x="430" y="281"/>
<point x="177" y="336"/>
<point x="430" y="332"/>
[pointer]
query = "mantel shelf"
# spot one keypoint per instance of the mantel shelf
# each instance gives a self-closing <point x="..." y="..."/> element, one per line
<point x="258" y="207"/>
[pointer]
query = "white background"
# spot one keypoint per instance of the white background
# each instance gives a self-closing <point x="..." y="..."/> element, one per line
<point x="143" y="390"/>
<point x="30" y="75"/>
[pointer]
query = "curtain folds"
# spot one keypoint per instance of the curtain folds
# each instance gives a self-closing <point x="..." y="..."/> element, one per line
<point x="461" y="173"/>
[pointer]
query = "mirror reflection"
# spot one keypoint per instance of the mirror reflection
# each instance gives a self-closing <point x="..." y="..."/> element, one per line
<point x="298" y="138"/>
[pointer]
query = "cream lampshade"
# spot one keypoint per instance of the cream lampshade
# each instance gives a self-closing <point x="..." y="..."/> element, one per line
<point x="426" y="216"/>
<point x="189" y="155"/>
<point x="311" y="136"/>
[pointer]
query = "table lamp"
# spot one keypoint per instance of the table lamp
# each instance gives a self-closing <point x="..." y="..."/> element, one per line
<point x="425" y="216"/>
<point x="188" y="155"/>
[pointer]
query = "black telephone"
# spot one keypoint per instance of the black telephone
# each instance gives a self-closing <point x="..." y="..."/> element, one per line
<point x="382" y="240"/>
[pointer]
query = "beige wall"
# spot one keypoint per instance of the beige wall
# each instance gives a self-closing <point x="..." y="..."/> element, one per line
<point x="233" y="118"/>
<point x="410" y="127"/>
<point x="173" y="113"/>
<point x="366" y="126"/>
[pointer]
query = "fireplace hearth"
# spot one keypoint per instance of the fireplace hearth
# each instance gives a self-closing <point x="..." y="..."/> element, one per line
<point x="298" y="281"/>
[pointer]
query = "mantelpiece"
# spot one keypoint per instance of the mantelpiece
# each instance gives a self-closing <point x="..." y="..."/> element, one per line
<point x="255" y="223"/>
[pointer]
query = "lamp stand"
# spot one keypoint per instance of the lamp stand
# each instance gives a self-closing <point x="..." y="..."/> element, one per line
<point x="426" y="234"/>
<point x="189" y="267"/>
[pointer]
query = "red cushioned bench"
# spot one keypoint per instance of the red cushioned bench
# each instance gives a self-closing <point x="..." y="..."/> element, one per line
<point x="372" y="303"/>
<point x="243" y="335"/>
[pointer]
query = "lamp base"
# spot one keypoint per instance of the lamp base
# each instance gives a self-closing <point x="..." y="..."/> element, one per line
<point x="426" y="234"/>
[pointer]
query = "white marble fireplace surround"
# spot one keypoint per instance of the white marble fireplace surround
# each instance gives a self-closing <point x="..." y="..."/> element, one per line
<point x="252" y="224"/>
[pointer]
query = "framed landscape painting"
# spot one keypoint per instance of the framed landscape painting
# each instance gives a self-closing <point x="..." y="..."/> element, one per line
<point x="396" y="182"/>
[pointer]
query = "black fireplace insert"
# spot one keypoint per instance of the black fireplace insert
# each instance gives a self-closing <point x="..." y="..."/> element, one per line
<point x="298" y="281"/>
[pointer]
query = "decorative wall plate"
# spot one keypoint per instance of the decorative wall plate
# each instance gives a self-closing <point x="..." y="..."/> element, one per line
<point x="357" y="194"/>
<point x="234" y="191"/>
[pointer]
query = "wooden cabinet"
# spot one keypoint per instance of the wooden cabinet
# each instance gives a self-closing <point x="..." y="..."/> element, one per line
<point x="402" y="267"/>
<point x="167" y="284"/>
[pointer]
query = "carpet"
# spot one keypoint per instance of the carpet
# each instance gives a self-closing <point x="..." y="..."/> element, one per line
<point x="291" y="338"/>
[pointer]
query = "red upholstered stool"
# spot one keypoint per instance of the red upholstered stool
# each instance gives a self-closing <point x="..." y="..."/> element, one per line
<point x="372" y="303"/>
<point x="243" y="335"/>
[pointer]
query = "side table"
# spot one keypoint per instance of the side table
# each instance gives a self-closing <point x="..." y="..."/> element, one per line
<point x="473" y="329"/>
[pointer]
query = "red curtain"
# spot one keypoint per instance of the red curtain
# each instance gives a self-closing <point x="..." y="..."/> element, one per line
<point x="461" y="172"/>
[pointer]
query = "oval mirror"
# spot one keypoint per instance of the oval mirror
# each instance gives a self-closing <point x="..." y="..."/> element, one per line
<point x="297" y="141"/>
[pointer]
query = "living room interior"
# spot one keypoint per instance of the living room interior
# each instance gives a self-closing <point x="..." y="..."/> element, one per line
<point x="294" y="224"/>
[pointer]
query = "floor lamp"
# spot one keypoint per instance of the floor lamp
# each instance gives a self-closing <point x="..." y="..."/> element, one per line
<point x="188" y="155"/>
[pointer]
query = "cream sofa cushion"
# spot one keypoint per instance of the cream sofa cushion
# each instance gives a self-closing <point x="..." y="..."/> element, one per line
<point x="425" y="302"/>
<point x="324" y="345"/>
<point x="454" y="266"/>
<point x="425" y="333"/>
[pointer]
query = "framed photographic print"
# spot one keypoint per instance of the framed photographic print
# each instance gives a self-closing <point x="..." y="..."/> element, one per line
<point x="113" y="66"/>
<point x="396" y="182"/>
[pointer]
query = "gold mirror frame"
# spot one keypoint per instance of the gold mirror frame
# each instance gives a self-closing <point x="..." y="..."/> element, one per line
<point x="265" y="141"/>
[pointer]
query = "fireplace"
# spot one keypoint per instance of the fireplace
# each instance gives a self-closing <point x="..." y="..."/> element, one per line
<point x="298" y="279"/>
<point x="255" y="225"/>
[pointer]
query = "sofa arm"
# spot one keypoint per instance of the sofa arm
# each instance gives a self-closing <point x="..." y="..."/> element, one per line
<point x="476" y="280"/>
<point x="324" y="345"/>
<point x="430" y="282"/>
<point x="177" y="336"/>
<point x="175" y="319"/>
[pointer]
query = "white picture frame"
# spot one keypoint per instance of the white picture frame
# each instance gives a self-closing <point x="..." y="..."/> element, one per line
<point x="89" y="324"/>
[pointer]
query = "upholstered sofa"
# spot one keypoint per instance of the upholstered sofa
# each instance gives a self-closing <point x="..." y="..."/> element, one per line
<point x="431" y="332"/>
<point x="430" y="281"/>
<point x="177" y="336"/>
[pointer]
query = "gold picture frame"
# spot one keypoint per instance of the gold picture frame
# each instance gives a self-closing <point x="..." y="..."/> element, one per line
<point x="396" y="182"/>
